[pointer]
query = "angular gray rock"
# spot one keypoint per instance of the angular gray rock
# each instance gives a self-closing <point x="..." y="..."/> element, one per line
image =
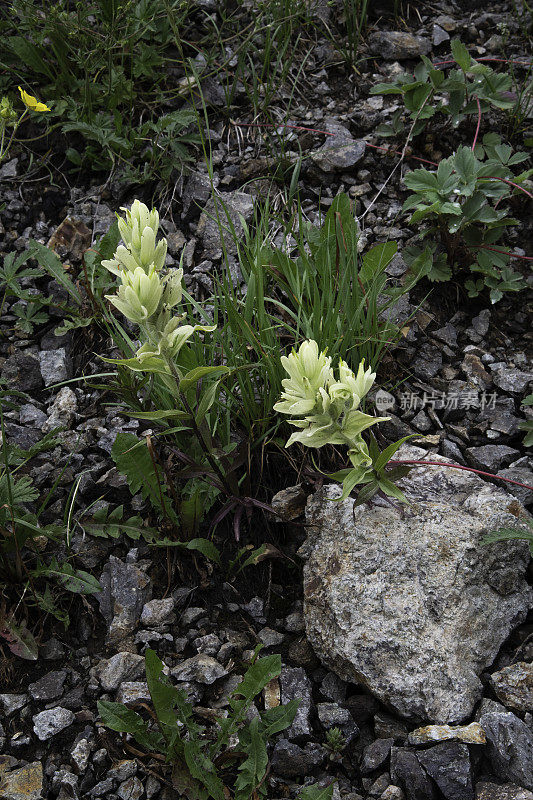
<point x="62" y="412"/>
<point x="121" y="667"/>
<point x="125" y="590"/>
<point x="449" y="765"/>
<point x="201" y="668"/>
<point x="49" y="686"/>
<point x="22" y="371"/>
<point x="133" y="692"/>
<point x="511" y="379"/>
<point x="491" y="457"/>
<point x="405" y="601"/>
<point x="509" y="747"/>
<point x="230" y="206"/>
<point x="157" y="612"/>
<point x="339" y="153"/>
<point x="290" y="760"/>
<point x="521" y="474"/>
<point x="406" y="772"/>
<point x="486" y="790"/>
<point x="56" y="366"/>
<point x="47" y="723"/>
<point x="375" y="755"/>
<point x="397" y="45"/>
<point x="513" y="685"/>
<point x="12" y="702"/>
<point x="295" y="685"/>
<point x="331" y="715"/>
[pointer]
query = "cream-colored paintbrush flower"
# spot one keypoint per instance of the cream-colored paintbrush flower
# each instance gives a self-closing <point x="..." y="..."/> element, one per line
<point x="309" y="372"/>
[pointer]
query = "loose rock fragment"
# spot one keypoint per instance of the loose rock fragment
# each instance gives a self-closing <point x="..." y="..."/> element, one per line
<point x="514" y="686"/>
<point x="398" y="45"/>
<point x="449" y="765"/>
<point x="25" y="783"/>
<point x="469" y="734"/>
<point x="48" y="723"/>
<point x="510" y="747"/>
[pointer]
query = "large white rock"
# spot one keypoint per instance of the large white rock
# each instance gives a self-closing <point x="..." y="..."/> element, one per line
<point x="406" y="601"/>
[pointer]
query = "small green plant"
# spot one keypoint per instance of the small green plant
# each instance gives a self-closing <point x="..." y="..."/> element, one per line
<point x="462" y="202"/>
<point x="467" y="91"/>
<point x="184" y="391"/>
<point x="335" y="741"/>
<point x="330" y="293"/>
<point x="528" y="424"/>
<point x="137" y="461"/>
<point x="99" y="61"/>
<point x="199" y="756"/>
<point x="26" y="570"/>
<point x="328" y="411"/>
<point x="504" y="534"/>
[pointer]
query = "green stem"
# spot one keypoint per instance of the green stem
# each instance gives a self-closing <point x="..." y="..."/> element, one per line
<point x="196" y="428"/>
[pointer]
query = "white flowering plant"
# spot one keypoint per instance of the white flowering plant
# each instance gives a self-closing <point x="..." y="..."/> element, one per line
<point x="149" y="300"/>
<point x="149" y="297"/>
<point x="327" y="411"/>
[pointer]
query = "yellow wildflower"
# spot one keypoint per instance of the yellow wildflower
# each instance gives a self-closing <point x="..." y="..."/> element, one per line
<point x="32" y="102"/>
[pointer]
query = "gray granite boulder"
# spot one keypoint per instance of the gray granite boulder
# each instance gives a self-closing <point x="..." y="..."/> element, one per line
<point x="406" y="601"/>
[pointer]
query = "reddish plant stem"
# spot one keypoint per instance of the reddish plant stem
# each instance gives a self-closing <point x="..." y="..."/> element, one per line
<point x="373" y="146"/>
<point x="504" y="180"/>
<point x="458" y="466"/>
<point x="504" y="252"/>
<point x="486" y="58"/>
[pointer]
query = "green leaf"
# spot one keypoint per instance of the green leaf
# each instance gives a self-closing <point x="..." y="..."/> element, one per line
<point x="315" y="792"/>
<point x="165" y="697"/>
<point x="52" y="264"/>
<point x="391" y="489"/>
<point x="384" y="457"/>
<point x="376" y="260"/>
<point x="251" y="772"/>
<point x="257" y="676"/>
<point x="203" y="546"/>
<point x="207" y="400"/>
<point x="461" y="54"/>
<point x="366" y="493"/>
<point x="30" y="55"/>
<point x="465" y="164"/>
<point x="506" y="534"/>
<point x="279" y="718"/>
<point x="158" y="416"/>
<point x="19" y="640"/>
<point x="203" y="769"/>
<point x="355" y="476"/>
<point x="192" y="377"/>
<point x="119" y="718"/>
<point x="73" y="580"/>
<point x="133" y="459"/>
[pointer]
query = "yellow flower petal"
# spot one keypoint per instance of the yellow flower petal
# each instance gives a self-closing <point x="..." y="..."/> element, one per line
<point x="32" y="102"/>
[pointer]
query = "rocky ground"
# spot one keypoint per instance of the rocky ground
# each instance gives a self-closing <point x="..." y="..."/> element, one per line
<point x="203" y="624"/>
